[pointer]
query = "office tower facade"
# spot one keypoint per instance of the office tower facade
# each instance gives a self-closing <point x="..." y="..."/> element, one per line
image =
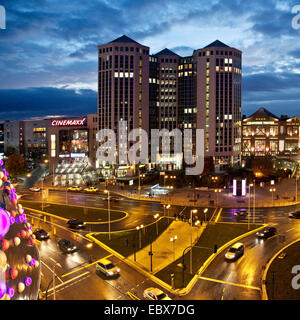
<point x="164" y="90"/>
<point x="218" y="95"/>
<point x="123" y="86"/>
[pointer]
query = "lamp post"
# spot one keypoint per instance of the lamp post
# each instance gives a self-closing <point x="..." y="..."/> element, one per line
<point x="197" y="225"/>
<point x="249" y="206"/>
<point x="156" y="216"/>
<point x="205" y="211"/>
<point x="191" y="254"/>
<point x="108" y="207"/>
<point x="296" y="198"/>
<point x="217" y="191"/>
<point x="272" y="190"/>
<point x="254" y="201"/>
<point x="173" y="239"/>
<point x="168" y="206"/>
<point x="139" y="228"/>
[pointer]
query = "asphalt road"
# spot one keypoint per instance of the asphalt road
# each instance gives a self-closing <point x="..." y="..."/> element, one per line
<point x="139" y="212"/>
<point x="238" y="280"/>
<point x="76" y="277"/>
<point x="241" y="280"/>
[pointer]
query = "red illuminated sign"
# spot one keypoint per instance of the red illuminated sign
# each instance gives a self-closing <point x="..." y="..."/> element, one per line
<point x="68" y="122"/>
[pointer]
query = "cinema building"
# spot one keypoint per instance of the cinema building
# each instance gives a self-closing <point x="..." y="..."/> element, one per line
<point x="72" y="150"/>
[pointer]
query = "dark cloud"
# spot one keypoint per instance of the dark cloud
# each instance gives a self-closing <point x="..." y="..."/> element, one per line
<point x="40" y="102"/>
<point x="51" y="43"/>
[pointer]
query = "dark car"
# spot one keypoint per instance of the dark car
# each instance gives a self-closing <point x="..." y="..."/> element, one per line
<point x="266" y="233"/>
<point x="41" y="234"/>
<point x="241" y="213"/>
<point x="75" y="223"/>
<point x="295" y="215"/>
<point x="66" y="246"/>
<point x="115" y="198"/>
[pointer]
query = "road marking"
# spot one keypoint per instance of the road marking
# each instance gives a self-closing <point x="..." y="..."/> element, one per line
<point x="132" y="296"/>
<point x="56" y="263"/>
<point x="68" y="281"/>
<point x="231" y="283"/>
<point x="51" y="271"/>
<point x="86" y="266"/>
<point x="218" y="216"/>
<point x="290" y="230"/>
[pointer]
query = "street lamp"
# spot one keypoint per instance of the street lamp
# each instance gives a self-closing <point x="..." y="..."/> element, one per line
<point x="167" y="206"/>
<point x="205" y="211"/>
<point x="249" y="206"/>
<point x="173" y="239"/>
<point x="217" y="191"/>
<point x="156" y="216"/>
<point x="272" y="190"/>
<point x="191" y="254"/>
<point x="139" y="228"/>
<point x="108" y="207"/>
<point x="296" y="189"/>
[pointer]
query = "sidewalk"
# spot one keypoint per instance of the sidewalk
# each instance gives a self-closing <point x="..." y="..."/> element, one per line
<point x="162" y="247"/>
<point x="286" y="191"/>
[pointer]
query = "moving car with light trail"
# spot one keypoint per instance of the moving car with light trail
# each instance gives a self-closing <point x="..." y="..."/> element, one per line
<point x="235" y="252"/>
<point x="107" y="267"/>
<point x="66" y="246"/>
<point x="155" y="294"/>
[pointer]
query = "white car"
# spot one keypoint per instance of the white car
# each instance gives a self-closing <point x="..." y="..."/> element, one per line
<point x="155" y="294"/>
<point x="35" y="189"/>
<point x="107" y="267"/>
<point x="91" y="189"/>
<point x="235" y="251"/>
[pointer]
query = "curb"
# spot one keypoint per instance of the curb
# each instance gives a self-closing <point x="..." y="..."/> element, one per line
<point x="264" y="278"/>
<point x="91" y="222"/>
<point x="51" y="215"/>
<point x="133" y="265"/>
<point x="206" y="263"/>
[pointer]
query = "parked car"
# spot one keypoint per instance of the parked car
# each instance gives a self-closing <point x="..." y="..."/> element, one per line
<point x="91" y="189"/>
<point x="295" y="215"/>
<point x="41" y="234"/>
<point x="107" y="267"/>
<point x="235" y="251"/>
<point x="266" y="233"/>
<point x="66" y="246"/>
<point x="74" y="188"/>
<point x="75" y="223"/>
<point x="155" y="294"/>
<point x="35" y="189"/>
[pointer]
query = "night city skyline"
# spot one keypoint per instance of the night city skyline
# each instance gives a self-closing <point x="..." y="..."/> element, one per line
<point x="150" y="150"/>
<point x="49" y="58"/>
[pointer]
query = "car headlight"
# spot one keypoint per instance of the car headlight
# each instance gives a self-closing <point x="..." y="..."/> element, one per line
<point x="118" y="270"/>
<point x="110" y="273"/>
<point x="69" y="249"/>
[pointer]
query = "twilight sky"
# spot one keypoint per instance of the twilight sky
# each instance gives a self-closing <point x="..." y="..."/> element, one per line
<point x="48" y="52"/>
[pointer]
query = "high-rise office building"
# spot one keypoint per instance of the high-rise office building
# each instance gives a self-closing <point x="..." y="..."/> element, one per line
<point x="164" y="90"/>
<point x="218" y="96"/>
<point x="123" y="86"/>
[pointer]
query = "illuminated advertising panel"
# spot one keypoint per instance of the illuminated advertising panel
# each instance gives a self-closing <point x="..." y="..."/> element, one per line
<point x="68" y="122"/>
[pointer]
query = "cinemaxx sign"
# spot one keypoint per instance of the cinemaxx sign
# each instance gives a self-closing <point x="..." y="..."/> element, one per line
<point x="68" y="122"/>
